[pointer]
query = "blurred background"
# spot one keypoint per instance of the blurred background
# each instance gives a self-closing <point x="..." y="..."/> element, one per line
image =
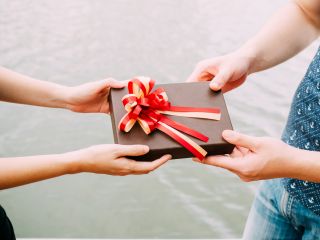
<point x="75" y="41"/>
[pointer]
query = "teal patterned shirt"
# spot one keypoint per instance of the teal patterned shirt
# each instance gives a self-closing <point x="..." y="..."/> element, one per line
<point x="303" y="131"/>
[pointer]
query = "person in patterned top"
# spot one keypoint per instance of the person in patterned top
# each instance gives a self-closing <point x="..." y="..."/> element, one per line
<point x="287" y="206"/>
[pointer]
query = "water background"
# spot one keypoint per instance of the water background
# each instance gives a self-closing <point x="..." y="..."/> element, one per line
<point x="75" y="41"/>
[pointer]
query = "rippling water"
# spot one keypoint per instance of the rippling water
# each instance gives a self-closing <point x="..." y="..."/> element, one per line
<point x="75" y="41"/>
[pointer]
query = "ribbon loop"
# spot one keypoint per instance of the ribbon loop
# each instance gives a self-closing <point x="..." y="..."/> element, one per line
<point x="146" y="108"/>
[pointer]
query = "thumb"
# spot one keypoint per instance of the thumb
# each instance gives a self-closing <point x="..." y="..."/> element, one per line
<point x="105" y="84"/>
<point x="110" y="82"/>
<point x="241" y="140"/>
<point x="220" y="80"/>
<point x="131" y="150"/>
<point x="222" y="162"/>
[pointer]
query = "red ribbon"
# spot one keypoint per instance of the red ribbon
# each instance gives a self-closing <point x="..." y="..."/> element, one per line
<point x="148" y="108"/>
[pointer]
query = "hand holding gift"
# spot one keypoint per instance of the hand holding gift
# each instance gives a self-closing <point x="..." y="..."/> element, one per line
<point x="91" y="97"/>
<point x="256" y="158"/>
<point x="225" y="72"/>
<point x="113" y="159"/>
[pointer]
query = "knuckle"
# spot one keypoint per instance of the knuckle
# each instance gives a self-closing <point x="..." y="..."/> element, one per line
<point x="121" y="173"/>
<point x="130" y="166"/>
<point x="154" y="167"/>
<point x="248" y="172"/>
<point x="115" y="150"/>
<point x="262" y="141"/>
<point x="115" y="153"/>
<point x="202" y="64"/>
<point x="238" y="138"/>
<point x="109" y="80"/>
<point x="256" y="144"/>
<point x="199" y="65"/>
<point x="244" y="179"/>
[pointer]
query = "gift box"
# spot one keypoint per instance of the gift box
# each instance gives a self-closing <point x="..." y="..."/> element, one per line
<point x="195" y="95"/>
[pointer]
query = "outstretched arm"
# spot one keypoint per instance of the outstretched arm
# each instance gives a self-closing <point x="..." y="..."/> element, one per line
<point x="102" y="159"/>
<point x="290" y="30"/>
<point x="89" y="97"/>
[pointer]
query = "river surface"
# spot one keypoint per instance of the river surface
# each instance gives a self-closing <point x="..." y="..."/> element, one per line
<point x="75" y="41"/>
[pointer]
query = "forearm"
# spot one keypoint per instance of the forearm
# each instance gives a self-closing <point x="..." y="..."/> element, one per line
<point x="17" y="88"/>
<point x="23" y="170"/>
<point x="289" y="31"/>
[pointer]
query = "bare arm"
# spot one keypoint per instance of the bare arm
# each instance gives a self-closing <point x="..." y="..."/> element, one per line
<point x="103" y="159"/>
<point x="18" y="88"/>
<point x="289" y="30"/>
<point x="89" y="97"/>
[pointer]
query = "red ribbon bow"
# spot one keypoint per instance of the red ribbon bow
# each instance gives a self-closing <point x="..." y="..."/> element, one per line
<point x="148" y="108"/>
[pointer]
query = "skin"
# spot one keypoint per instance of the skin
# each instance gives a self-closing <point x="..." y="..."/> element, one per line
<point x="256" y="158"/>
<point x="111" y="159"/>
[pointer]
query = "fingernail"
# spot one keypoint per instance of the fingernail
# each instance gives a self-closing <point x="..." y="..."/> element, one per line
<point x="215" y="85"/>
<point x="168" y="156"/>
<point x="228" y="134"/>
<point x="196" y="159"/>
<point x="145" y="149"/>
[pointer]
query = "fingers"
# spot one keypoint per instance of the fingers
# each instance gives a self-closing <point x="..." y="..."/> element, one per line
<point x="240" y="139"/>
<point x="220" y="80"/>
<point x="243" y="150"/>
<point x="199" y="75"/>
<point x="204" y="71"/>
<point x="234" y="165"/>
<point x="131" y="150"/>
<point x="103" y="86"/>
<point x="110" y="82"/>
<point x="125" y="82"/>
<point x="146" y="167"/>
<point x="207" y="70"/>
<point x="231" y="164"/>
<point x="236" y="153"/>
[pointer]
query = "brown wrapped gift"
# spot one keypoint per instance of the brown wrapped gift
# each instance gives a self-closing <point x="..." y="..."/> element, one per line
<point x="180" y="94"/>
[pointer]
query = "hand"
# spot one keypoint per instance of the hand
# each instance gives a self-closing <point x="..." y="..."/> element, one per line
<point x="256" y="158"/>
<point x="112" y="159"/>
<point x="91" y="97"/>
<point x="225" y="72"/>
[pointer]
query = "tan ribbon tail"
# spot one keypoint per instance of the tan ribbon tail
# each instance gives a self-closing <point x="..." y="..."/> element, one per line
<point x="185" y="138"/>
<point x="204" y="115"/>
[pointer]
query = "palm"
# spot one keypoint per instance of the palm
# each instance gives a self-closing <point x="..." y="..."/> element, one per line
<point x="240" y="152"/>
<point x="97" y="103"/>
<point x="92" y="97"/>
<point x="226" y="72"/>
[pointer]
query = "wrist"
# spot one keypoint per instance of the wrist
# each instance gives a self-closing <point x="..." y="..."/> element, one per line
<point x="292" y="163"/>
<point x="248" y="55"/>
<point x="72" y="162"/>
<point x="60" y="97"/>
<point x="301" y="163"/>
<point x="306" y="164"/>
